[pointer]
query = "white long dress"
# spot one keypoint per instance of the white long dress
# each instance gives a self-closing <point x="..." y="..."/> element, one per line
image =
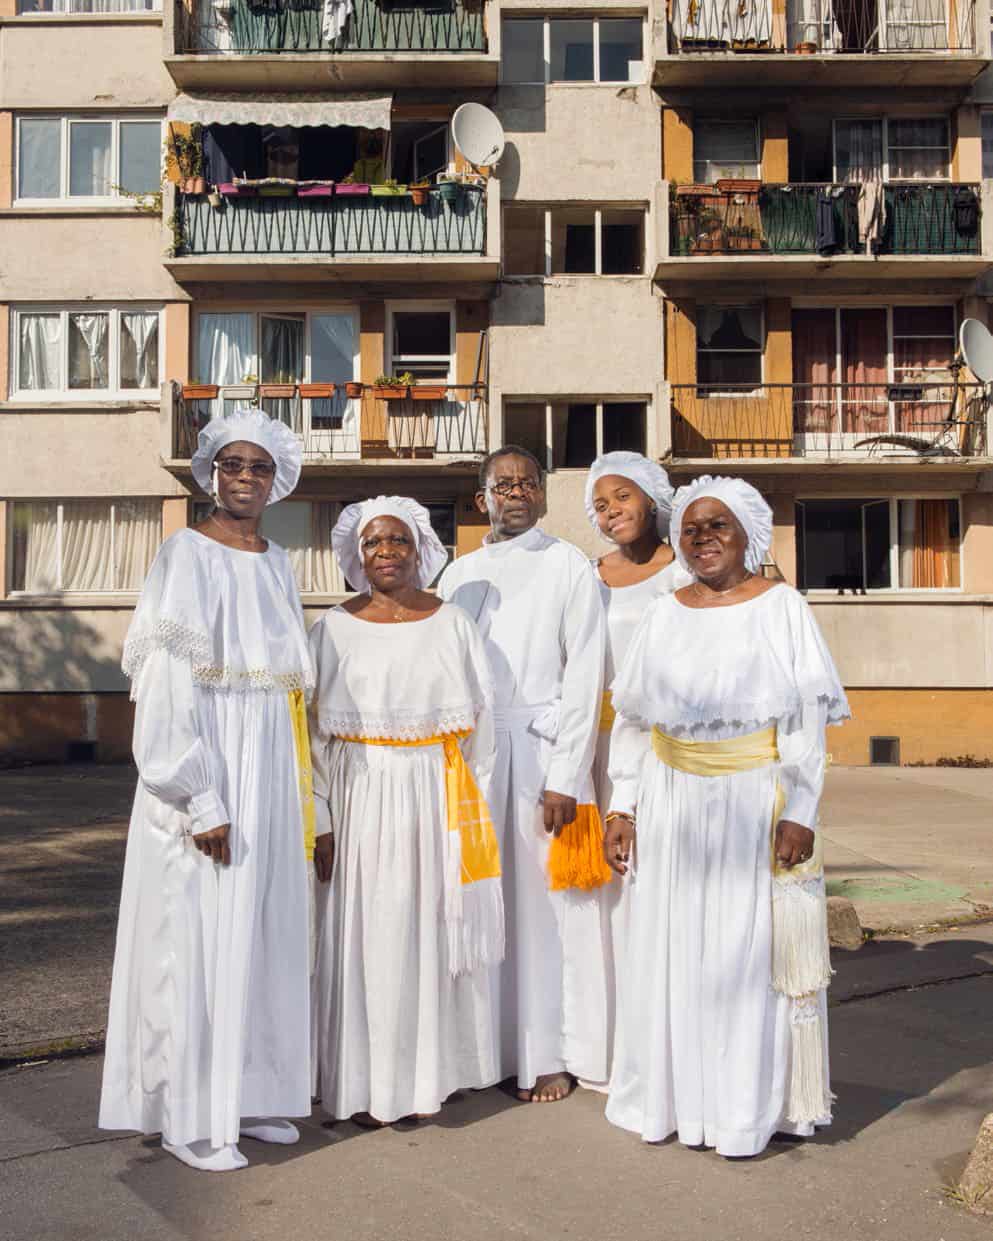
<point x="209" y="1006"/>
<point x="625" y="608"/>
<point x="394" y="1032"/>
<point x="703" y="1045"/>
<point x="535" y="600"/>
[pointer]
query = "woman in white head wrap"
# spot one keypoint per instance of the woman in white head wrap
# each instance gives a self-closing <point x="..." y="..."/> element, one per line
<point x="208" y="1029"/>
<point x="717" y="763"/>
<point x="411" y="917"/>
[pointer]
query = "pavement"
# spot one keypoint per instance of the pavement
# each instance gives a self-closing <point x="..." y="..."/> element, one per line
<point x="911" y="1051"/>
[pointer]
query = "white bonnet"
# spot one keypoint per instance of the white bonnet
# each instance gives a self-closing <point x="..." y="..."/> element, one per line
<point x="254" y="427"/>
<point x="744" y="502"/>
<point x="648" y="475"/>
<point x="347" y="533"/>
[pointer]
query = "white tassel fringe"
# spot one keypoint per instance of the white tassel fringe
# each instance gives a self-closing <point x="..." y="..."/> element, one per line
<point x="801" y="953"/>
<point x="808" y="1099"/>
<point x="478" y="938"/>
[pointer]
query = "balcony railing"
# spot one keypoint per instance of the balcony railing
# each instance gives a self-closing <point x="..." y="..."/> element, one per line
<point x="849" y="421"/>
<point x="244" y="27"/>
<point x="823" y="26"/>
<point x="908" y="218"/>
<point x="338" y="227"/>
<point x="445" y="423"/>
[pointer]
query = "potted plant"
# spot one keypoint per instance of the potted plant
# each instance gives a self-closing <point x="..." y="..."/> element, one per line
<point x="429" y="392"/>
<point x="449" y="189"/>
<point x="199" y="392"/>
<point x="277" y="391"/>
<point x="317" y="392"/>
<point x="419" y="191"/>
<point x="353" y="390"/>
<point x="245" y="391"/>
<point x="389" y="189"/>
<point x="392" y="387"/>
<point x="187" y="151"/>
<point x="350" y="186"/>
<point x="738" y="185"/>
<point x="805" y="48"/>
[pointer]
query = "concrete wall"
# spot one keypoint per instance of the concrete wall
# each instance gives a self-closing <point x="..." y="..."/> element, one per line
<point x="73" y="62"/>
<point x="930" y="724"/>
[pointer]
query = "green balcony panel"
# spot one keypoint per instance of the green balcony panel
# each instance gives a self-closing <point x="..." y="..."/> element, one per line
<point x="931" y="219"/>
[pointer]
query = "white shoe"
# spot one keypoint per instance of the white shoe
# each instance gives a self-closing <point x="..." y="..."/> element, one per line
<point x="206" y="1158"/>
<point x="281" y="1132"/>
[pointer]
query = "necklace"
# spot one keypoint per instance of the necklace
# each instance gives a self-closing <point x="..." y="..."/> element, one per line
<point x="720" y="593"/>
<point x="245" y="538"/>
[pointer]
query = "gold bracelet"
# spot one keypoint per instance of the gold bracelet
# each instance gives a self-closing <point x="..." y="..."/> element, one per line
<point x="619" y="814"/>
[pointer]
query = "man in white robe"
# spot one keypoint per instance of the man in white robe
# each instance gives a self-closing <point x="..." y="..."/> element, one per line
<point x="536" y="602"/>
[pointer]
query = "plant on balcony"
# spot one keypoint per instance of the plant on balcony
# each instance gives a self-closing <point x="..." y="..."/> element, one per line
<point x="392" y="387"/>
<point x="348" y="185"/>
<point x="353" y="390"/>
<point x="419" y="191"/>
<point x="187" y="151"/>
<point x="389" y="189"/>
<point x="317" y="391"/>
<point x="428" y="392"/>
<point x="449" y="189"/>
<point x="199" y="392"/>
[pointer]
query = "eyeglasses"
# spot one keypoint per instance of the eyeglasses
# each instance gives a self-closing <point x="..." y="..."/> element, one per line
<point x="507" y="486"/>
<point x="231" y="467"/>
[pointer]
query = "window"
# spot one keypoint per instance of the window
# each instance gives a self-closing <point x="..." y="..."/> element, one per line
<point x="878" y="544"/>
<point x="572" y="49"/>
<point x="276" y="347"/>
<point x="421" y="343"/>
<point x="79" y="353"/>
<point x="725" y="148"/>
<point x="729" y="347"/>
<point x="572" y="240"/>
<point x="88" y="6"/>
<point x="577" y="431"/>
<point x="890" y="149"/>
<point x="987" y="139"/>
<point x="74" y="158"/>
<point x="83" y="545"/>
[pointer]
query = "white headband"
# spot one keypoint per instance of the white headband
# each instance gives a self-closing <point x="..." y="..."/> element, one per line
<point x="744" y="502"/>
<point x="253" y="427"/>
<point x="347" y="534"/>
<point x="647" y="475"/>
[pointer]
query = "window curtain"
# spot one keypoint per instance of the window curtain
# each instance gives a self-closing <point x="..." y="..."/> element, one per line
<point x="90" y="169"/>
<point x="36" y="528"/>
<point x="916" y="25"/>
<point x="225" y="351"/>
<point x="137" y="535"/>
<point x="814" y="370"/>
<point x="88" y="351"/>
<point x="811" y="21"/>
<point x="87" y="553"/>
<point x="859" y="151"/>
<point x="918" y="149"/>
<point x="39" y="353"/>
<point x="328" y="577"/>
<point x="39" y="154"/>
<point x="139" y="349"/>
<point x="863" y="364"/>
<point x="929" y="553"/>
<point x="282" y="362"/>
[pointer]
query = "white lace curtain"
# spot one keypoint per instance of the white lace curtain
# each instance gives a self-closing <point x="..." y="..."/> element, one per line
<point x="88" y="359"/>
<point x="84" y="545"/>
<point x="39" y="353"/>
<point x="140" y="349"/>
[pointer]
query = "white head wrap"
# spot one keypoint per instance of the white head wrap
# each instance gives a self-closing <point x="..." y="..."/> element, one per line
<point x="647" y="475"/>
<point x="253" y="427"/>
<point x="744" y="502"/>
<point x="347" y="534"/>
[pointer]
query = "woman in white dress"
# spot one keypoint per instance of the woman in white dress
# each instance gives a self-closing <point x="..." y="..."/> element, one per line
<point x="718" y="755"/>
<point x="208" y="1026"/>
<point x="403" y="744"/>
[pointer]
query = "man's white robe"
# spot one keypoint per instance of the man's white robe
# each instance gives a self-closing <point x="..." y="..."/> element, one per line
<point x="537" y="604"/>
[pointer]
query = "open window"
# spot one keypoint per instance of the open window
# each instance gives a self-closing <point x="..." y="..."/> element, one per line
<point x="421" y="342"/>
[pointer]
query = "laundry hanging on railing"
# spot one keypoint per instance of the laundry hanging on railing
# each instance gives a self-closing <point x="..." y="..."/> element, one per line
<point x="334" y="21"/>
<point x="965" y="211"/>
<point x="872" y="212"/>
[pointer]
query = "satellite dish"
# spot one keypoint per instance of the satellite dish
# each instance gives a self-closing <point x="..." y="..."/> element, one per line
<point x="478" y="135"/>
<point x="977" y="346"/>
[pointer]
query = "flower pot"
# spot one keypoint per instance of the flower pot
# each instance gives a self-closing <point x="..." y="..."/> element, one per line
<point x="389" y="191"/>
<point x="805" y="49"/>
<point x="238" y="392"/>
<point x="383" y="393"/>
<point x="355" y="188"/>
<point x="353" y="391"/>
<point x="428" y="392"/>
<point x="199" y="392"/>
<point x="239" y="189"/>
<point x="738" y="185"/>
<point x="315" y="189"/>
<point x="276" y="191"/>
<point x="319" y="392"/>
<point x="450" y="191"/>
<point x="277" y="392"/>
<point x="694" y="190"/>
<point x="419" y="193"/>
<point x="193" y="185"/>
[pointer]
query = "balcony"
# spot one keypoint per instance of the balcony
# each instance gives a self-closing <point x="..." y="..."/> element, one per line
<point x="447" y="424"/>
<point x="741" y="229"/>
<point x="847" y="424"/>
<point x="282" y="44"/>
<point x="820" y="43"/>
<point x="339" y="236"/>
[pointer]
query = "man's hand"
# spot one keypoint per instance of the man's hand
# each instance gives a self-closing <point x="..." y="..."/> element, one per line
<point x="559" y="811"/>
<point x="214" y="844"/>
<point x="794" y="843"/>
<point x="618" y="841"/>
<point x="324" y="856"/>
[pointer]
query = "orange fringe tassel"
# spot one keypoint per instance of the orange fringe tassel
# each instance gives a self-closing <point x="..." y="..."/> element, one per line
<point x="575" y="859"/>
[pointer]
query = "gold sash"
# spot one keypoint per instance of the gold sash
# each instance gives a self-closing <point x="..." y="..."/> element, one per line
<point x="305" y="771"/>
<point x="607" y="713"/>
<point x="716" y="758"/>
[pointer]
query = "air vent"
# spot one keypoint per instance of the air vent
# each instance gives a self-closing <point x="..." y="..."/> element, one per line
<point x="81" y="752"/>
<point x="884" y="751"/>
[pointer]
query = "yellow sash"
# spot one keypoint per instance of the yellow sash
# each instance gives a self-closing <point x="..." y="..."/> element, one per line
<point x="467" y="812"/>
<point x="607" y="713"/>
<point x="305" y="772"/>
<point x="716" y="758"/>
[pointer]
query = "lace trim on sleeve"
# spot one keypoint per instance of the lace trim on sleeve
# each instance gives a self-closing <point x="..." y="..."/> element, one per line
<point x="673" y="714"/>
<point x="399" y="724"/>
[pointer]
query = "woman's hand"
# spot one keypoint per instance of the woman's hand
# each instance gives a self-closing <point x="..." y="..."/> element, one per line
<point x="794" y="844"/>
<point x="559" y="811"/>
<point x="324" y="856"/>
<point x="214" y="844"/>
<point x="618" y="841"/>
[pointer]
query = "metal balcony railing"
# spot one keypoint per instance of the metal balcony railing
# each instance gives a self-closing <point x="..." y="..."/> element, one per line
<point x="338" y="227"/>
<point x="449" y="422"/>
<point x="910" y="218"/>
<point x="830" y="420"/>
<point x="243" y="27"/>
<point x="823" y="26"/>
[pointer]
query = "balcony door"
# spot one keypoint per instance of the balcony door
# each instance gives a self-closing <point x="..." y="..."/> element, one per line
<point x="840" y="373"/>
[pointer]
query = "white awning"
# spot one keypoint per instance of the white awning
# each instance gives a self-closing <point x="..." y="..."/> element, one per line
<point x="211" y="108"/>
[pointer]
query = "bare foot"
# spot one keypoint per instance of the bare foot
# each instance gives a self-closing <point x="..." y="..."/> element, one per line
<point x="549" y="1088"/>
<point x="366" y="1120"/>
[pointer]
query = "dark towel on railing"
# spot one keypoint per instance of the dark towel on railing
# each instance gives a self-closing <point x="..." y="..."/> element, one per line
<point x="825" y="225"/>
<point x="965" y="211"/>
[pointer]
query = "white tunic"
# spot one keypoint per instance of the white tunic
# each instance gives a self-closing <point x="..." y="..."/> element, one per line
<point x="536" y="602"/>
<point x="703" y="1044"/>
<point x="394" y="1033"/>
<point x="209" y="1000"/>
